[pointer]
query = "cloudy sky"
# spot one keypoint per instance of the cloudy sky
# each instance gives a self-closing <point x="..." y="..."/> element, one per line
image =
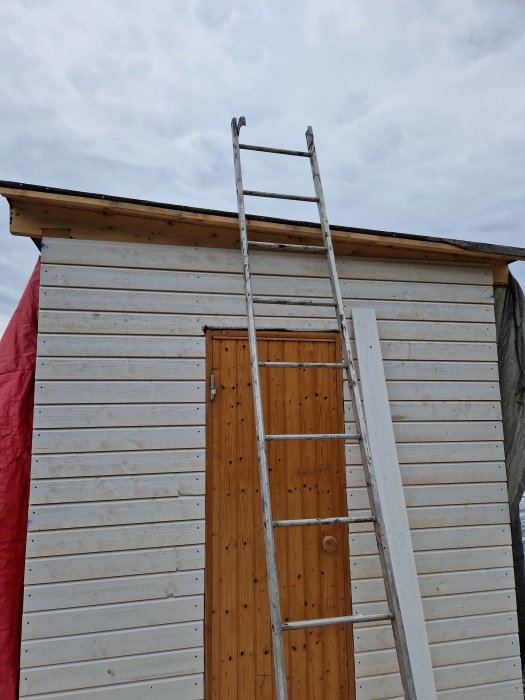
<point x="418" y="107"/>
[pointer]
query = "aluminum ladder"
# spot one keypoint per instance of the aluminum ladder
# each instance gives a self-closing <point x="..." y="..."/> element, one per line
<point x="278" y="626"/>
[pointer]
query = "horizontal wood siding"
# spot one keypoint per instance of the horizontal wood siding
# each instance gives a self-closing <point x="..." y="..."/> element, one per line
<point x="115" y="560"/>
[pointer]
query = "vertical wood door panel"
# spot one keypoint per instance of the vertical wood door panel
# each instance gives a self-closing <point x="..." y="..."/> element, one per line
<point x="307" y="480"/>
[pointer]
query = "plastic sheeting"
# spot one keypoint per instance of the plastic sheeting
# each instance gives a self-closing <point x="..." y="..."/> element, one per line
<point x="17" y="377"/>
<point x="510" y="317"/>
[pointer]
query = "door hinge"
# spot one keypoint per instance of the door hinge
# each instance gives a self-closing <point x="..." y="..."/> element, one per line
<point x="213" y="390"/>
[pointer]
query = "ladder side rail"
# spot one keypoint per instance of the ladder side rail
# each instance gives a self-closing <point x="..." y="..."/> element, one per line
<point x="269" y="543"/>
<point x="405" y="667"/>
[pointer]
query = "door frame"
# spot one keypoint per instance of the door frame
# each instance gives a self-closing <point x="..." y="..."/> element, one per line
<point x="242" y="334"/>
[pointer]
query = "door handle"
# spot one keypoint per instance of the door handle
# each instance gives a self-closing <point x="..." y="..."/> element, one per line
<point x="329" y="543"/>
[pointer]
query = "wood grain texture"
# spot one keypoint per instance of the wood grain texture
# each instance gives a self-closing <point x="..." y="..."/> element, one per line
<point x="77" y="217"/>
<point x="313" y="582"/>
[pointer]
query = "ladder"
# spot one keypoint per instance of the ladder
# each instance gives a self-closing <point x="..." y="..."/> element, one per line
<point x="394" y="612"/>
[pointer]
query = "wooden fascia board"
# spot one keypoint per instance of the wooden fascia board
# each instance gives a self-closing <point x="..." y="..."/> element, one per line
<point x="36" y="214"/>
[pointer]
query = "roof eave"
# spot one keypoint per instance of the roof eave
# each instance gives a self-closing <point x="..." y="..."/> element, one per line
<point x="85" y="201"/>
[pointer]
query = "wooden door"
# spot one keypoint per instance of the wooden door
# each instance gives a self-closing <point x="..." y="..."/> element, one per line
<point x="307" y="480"/>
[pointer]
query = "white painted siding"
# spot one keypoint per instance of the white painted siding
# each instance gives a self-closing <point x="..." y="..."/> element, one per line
<point x="115" y="567"/>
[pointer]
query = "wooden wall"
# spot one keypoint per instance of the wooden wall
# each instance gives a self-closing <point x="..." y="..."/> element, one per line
<point x="114" y="576"/>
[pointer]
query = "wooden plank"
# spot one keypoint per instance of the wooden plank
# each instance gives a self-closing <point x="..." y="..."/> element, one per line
<point x="108" y="671"/>
<point x="103" y="300"/>
<point x="117" y="463"/>
<point x="78" y="345"/>
<point x="120" y="616"/>
<point x="107" y="564"/>
<point x="156" y="510"/>
<point x="427" y="474"/>
<point x="447" y="677"/>
<point x="449" y="653"/>
<point x="247" y="500"/>
<point x="75" y="594"/>
<point x="440" y="538"/>
<point x="443" y="411"/>
<point x="464" y="515"/>
<point x="117" y="415"/>
<point x="447" y="516"/>
<point x="189" y="687"/>
<point x="449" y="583"/>
<point x="439" y="561"/>
<point x="445" y="431"/>
<point x="113" y="439"/>
<point x="438" y="495"/>
<point x="116" y="345"/>
<point x="452" y="606"/>
<point x="390" y="495"/>
<point x="122" y="369"/>
<point x="435" y="371"/>
<point x="463" y="675"/>
<point x="145" y="414"/>
<point x="179" y="258"/>
<point x="508" y="690"/>
<point x="106" y="322"/>
<point x="98" y="489"/>
<point x="225" y="452"/>
<point x="84" y="540"/>
<point x="101" y="645"/>
<point x="369" y="638"/>
<point x="438" y="350"/>
<point x="81" y="276"/>
<point x="91" y="392"/>
<point x="436" y="474"/>
<point x="440" y="371"/>
<point x="430" y="452"/>
<point x="443" y="391"/>
<point x="184" y="369"/>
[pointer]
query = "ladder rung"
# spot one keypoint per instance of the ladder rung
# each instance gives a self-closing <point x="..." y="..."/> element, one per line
<point x="296" y="301"/>
<point x="294" y="247"/>
<point x="343" y="620"/>
<point x="266" y="149"/>
<point x="277" y="195"/>
<point x="324" y="521"/>
<point x="329" y="365"/>
<point x="316" y="436"/>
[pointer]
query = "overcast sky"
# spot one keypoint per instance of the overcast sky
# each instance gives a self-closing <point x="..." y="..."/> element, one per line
<point x="418" y="107"/>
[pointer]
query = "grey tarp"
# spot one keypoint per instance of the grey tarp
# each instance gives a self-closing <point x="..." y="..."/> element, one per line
<point x="510" y="318"/>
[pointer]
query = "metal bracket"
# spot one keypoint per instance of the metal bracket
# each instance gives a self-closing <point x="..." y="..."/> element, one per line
<point x="213" y="389"/>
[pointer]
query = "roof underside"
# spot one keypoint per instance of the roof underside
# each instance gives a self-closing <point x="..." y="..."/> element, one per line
<point x="53" y="195"/>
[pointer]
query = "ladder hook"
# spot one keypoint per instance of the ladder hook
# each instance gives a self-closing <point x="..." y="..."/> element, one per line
<point x="237" y="124"/>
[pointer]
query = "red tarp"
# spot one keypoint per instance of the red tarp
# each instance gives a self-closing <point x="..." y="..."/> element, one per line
<point x="17" y="377"/>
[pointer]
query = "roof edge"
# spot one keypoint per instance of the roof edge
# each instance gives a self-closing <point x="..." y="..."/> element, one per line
<point x="8" y="188"/>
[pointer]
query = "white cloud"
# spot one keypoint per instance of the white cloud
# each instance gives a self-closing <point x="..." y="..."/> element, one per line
<point x="418" y="108"/>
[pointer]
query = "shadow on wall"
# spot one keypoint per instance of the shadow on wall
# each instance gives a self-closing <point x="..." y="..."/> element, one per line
<point x="510" y="320"/>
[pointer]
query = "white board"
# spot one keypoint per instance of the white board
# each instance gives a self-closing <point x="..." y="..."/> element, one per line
<point x="390" y="493"/>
